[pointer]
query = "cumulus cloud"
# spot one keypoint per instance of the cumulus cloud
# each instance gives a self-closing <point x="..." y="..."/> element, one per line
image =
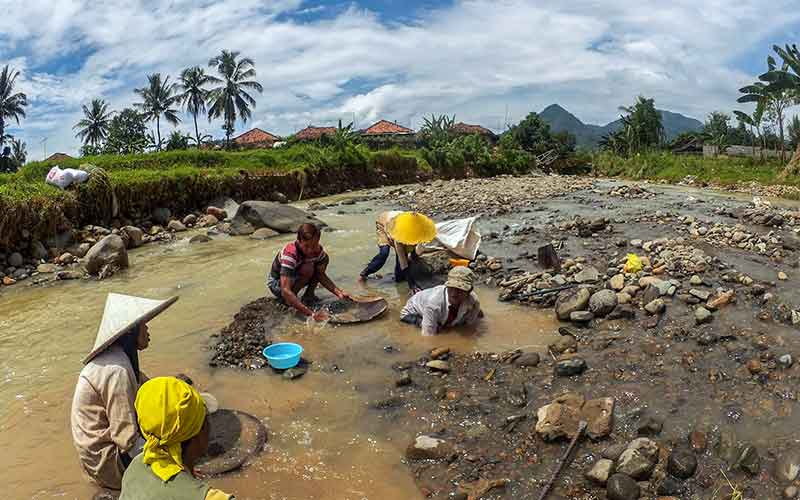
<point x="484" y="60"/>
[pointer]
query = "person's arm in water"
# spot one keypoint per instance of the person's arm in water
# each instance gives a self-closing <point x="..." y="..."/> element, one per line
<point x="474" y="313"/>
<point x="404" y="261"/>
<point x="293" y="300"/>
<point x="325" y="281"/>
<point x="430" y="323"/>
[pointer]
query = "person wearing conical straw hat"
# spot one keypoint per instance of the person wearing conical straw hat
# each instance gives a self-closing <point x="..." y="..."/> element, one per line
<point x="400" y="231"/>
<point x="444" y="306"/>
<point x="103" y="417"/>
<point x="173" y="418"/>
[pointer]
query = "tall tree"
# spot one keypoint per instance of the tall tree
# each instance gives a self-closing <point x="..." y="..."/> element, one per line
<point x="12" y="104"/>
<point x="642" y="127"/>
<point x="127" y="133"/>
<point x="716" y="130"/>
<point x="158" y="99"/>
<point x="754" y="121"/>
<point x="193" y="93"/>
<point x="19" y="151"/>
<point x="93" y="128"/>
<point x="231" y="100"/>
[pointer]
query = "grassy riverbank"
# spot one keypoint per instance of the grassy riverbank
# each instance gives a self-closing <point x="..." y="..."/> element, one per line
<point x="674" y="168"/>
<point x="185" y="180"/>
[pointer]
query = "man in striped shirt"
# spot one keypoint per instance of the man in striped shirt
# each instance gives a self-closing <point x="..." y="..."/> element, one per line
<point x="302" y="264"/>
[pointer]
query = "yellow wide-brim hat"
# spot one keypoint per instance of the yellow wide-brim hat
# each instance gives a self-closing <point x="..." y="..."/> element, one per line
<point x="412" y="228"/>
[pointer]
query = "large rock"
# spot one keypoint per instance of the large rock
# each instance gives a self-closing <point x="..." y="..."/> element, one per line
<point x="15" y="259"/>
<point x="655" y="307"/>
<point x="217" y="213"/>
<point x="207" y="221"/>
<point x="560" y="418"/>
<point x="108" y="251"/>
<point x="622" y="487"/>
<point x="587" y="275"/>
<point x="617" y="283"/>
<point x="603" y="302"/>
<point x="133" y="235"/>
<point x="599" y="415"/>
<point x="176" y="226"/>
<point x="428" y="448"/>
<point x="571" y="301"/>
<point x="281" y="218"/>
<point x="38" y="251"/>
<point x="601" y="471"/>
<point x="682" y="463"/>
<point x="161" y="216"/>
<point x="240" y="227"/>
<point x="639" y="459"/>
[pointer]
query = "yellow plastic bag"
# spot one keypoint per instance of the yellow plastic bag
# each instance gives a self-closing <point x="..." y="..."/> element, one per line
<point x="633" y="265"/>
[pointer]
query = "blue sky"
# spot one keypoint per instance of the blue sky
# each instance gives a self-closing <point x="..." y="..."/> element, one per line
<point x="486" y="61"/>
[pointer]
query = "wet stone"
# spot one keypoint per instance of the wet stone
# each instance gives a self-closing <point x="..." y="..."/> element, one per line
<point x="785" y="361"/>
<point x="601" y="471"/>
<point x="614" y="451"/>
<point x="702" y="315"/>
<point x="707" y="339"/>
<point x="669" y="486"/>
<point x="440" y="352"/>
<point x="700" y="294"/>
<point x="563" y="344"/>
<point x="698" y="441"/>
<point x="571" y="301"/>
<point x="787" y="467"/>
<point x="295" y="373"/>
<point x="199" y="238"/>
<point x="527" y="359"/>
<point x="790" y="492"/>
<point x="403" y="381"/>
<point x="581" y="316"/>
<point x="657" y="306"/>
<point x="695" y="280"/>
<point x="602" y="302"/>
<point x="622" y="487"/>
<point x="650" y="426"/>
<point x="682" y="463"/>
<point x="570" y="367"/>
<point x="438" y="366"/>
<point x="622" y="311"/>
<point x="428" y="448"/>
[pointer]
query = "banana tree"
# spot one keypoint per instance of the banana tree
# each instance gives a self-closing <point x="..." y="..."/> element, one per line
<point x="754" y="121"/>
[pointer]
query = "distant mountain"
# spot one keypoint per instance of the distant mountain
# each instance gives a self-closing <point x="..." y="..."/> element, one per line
<point x="588" y="135"/>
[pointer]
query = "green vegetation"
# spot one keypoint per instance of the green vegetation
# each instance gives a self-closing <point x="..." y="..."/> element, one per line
<point x="93" y="128"/>
<point x="661" y="165"/>
<point x="158" y="99"/>
<point x="12" y="104"/>
<point x="231" y="99"/>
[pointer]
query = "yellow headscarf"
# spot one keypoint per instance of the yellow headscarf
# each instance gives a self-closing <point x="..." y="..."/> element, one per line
<point x="170" y="412"/>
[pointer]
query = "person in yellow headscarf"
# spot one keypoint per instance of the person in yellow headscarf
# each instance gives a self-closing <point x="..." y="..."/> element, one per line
<point x="400" y="231"/>
<point x="174" y="422"/>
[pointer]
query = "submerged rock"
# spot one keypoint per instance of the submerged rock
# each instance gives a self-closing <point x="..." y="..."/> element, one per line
<point x="281" y="218"/>
<point x="428" y="448"/>
<point x="601" y="471"/>
<point x="622" y="487"/>
<point x="572" y="301"/>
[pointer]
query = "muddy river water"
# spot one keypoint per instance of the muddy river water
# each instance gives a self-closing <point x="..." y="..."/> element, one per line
<point x="322" y="442"/>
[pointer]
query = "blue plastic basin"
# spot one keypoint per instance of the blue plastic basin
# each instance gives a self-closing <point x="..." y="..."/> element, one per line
<point x="284" y="355"/>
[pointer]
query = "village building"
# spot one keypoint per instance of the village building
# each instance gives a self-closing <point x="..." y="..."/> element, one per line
<point x="256" y="138"/>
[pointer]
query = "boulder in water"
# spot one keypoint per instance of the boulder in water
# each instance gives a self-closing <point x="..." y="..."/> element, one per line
<point x="281" y="218"/>
<point x="108" y="251"/>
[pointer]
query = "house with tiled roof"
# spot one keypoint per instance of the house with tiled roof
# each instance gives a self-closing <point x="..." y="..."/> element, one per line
<point x="256" y="138"/>
<point x="56" y="157"/>
<point x="384" y="128"/>
<point x="312" y="133"/>
<point x="462" y="128"/>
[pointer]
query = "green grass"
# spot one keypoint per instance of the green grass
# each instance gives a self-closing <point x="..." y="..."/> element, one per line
<point x="673" y="168"/>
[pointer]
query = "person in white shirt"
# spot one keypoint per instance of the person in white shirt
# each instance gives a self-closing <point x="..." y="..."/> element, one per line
<point x="444" y="306"/>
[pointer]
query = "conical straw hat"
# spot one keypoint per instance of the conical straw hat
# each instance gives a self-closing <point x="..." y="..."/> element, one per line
<point x="121" y="313"/>
<point x="412" y="228"/>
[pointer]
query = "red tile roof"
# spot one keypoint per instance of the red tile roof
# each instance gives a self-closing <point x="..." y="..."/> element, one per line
<point x="385" y="127"/>
<point x="59" y="157"/>
<point x="311" y="133"/>
<point x="256" y="136"/>
<point x="464" y="128"/>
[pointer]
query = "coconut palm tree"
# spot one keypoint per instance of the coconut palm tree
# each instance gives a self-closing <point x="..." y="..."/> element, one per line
<point x="193" y="95"/>
<point x="12" y="104"/>
<point x="19" y="151"/>
<point x="159" y="98"/>
<point x="93" y="128"/>
<point x="231" y="100"/>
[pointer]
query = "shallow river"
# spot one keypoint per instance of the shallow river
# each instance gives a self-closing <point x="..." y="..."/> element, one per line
<point x="324" y="441"/>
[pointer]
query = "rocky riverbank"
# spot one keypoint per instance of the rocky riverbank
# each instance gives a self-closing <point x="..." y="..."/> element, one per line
<point x="692" y="355"/>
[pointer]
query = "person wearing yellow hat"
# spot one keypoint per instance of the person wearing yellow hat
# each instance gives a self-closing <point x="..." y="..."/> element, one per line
<point x="173" y="418"/>
<point x="444" y="306"/>
<point x="400" y="231"/>
<point x="103" y="418"/>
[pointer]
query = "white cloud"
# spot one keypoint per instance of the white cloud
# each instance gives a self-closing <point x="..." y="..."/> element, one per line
<point x="473" y="59"/>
